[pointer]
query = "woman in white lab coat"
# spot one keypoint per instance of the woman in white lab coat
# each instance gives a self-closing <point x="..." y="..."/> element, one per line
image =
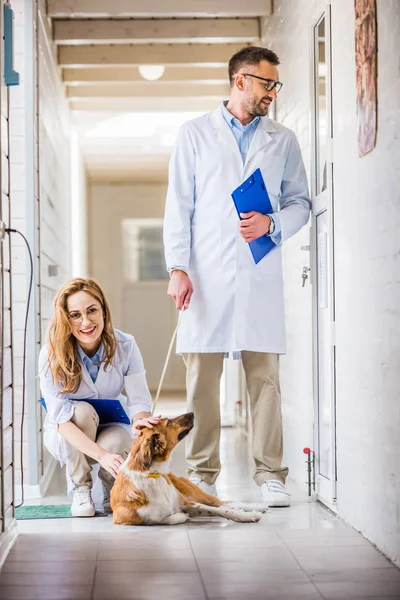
<point x="85" y="358"/>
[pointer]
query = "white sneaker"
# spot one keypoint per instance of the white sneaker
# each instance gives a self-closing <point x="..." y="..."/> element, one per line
<point x="274" y="493"/>
<point x="82" y="503"/>
<point x="106" y="498"/>
<point x="206" y="487"/>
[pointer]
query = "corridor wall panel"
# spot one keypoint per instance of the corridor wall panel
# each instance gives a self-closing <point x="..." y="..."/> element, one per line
<point x="366" y="264"/>
<point x="54" y="186"/>
<point x="293" y="111"/>
<point x="7" y="523"/>
<point x="24" y="218"/>
<point x="40" y="208"/>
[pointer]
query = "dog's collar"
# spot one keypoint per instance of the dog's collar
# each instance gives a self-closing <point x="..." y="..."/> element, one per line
<point x="154" y="475"/>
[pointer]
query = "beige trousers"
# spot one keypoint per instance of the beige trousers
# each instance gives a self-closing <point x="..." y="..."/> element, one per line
<point x="203" y="376"/>
<point x="113" y="439"/>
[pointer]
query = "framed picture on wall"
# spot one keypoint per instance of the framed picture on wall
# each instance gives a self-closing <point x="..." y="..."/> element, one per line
<point x="366" y="74"/>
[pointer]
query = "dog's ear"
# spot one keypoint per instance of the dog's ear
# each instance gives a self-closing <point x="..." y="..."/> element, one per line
<point x="146" y="453"/>
<point x="159" y="444"/>
<point x="153" y="445"/>
<point x="142" y="455"/>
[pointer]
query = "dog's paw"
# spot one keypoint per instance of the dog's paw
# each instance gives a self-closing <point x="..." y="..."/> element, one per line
<point x="175" y="519"/>
<point x="241" y="516"/>
<point x="253" y="517"/>
<point x="248" y="506"/>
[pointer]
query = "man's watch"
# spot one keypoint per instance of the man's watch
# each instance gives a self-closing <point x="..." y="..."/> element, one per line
<point x="271" y="226"/>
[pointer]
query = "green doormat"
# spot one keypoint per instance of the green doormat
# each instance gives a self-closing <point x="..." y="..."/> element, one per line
<point x="51" y="511"/>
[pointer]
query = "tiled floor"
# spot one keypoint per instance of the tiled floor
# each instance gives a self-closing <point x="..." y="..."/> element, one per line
<point x="301" y="552"/>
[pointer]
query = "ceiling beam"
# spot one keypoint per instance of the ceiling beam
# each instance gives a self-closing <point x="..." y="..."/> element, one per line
<point x="153" y="104"/>
<point x="157" y="8"/>
<point x="124" y="54"/>
<point x="112" y="146"/>
<point x="130" y="75"/>
<point x="128" y="173"/>
<point x="154" y="89"/>
<point x="166" y="31"/>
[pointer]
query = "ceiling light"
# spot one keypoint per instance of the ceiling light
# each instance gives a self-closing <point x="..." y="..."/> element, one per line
<point x="151" y="72"/>
<point x="141" y="125"/>
<point x="124" y="125"/>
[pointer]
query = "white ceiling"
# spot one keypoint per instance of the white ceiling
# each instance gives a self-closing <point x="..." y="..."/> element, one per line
<point x="127" y="125"/>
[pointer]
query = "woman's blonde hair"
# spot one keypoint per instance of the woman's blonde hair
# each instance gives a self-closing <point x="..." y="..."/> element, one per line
<point x="62" y="345"/>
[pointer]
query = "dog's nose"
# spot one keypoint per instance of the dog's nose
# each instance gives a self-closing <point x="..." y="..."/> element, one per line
<point x="191" y="415"/>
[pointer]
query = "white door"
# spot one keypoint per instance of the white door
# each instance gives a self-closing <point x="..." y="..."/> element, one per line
<point x="323" y="262"/>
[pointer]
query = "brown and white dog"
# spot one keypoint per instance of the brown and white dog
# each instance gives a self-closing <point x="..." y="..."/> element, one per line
<point x="145" y="493"/>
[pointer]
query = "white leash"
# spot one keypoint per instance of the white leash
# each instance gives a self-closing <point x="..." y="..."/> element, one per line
<point x="153" y="408"/>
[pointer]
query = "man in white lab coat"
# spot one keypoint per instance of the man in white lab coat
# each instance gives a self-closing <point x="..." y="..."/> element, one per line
<point x="234" y="305"/>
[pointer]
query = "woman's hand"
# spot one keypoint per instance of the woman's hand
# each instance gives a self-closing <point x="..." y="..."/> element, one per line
<point x="111" y="462"/>
<point x="138" y="424"/>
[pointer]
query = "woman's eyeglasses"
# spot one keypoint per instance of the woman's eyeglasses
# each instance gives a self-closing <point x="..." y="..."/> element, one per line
<point x="270" y="84"/>
<point x="93" y="314"/>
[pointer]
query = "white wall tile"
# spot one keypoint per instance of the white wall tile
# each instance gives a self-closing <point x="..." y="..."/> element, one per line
<point x="52" y="152"/>
<point x="17" y="122"/>
<point x="367" y="267"/>
<point x="291" y="22"/>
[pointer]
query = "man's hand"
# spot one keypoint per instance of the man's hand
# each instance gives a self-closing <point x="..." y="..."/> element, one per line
<point x="180" y="288"/>
<point x="253" y="226"/>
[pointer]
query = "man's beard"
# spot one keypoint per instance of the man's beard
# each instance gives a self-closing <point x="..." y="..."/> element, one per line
<point x="257" y="109"/>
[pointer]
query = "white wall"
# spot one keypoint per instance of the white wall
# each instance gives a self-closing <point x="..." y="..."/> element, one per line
<point x="143" y="308"/>
<point x="54" y="178"/>
<point x="19" y="220"/>
<point x="79" y="211"/>
<point x="108" y="205"/>
<point x="54" y="166"/>
<point x="293" y="110"/>
<point x="8" y="530"/>
<point x="367" y="268"/>
<point x="367" y="204"/>
<point x="40" y="187"/>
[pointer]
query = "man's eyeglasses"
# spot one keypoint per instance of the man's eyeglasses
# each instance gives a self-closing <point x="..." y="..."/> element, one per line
<point x="92" y="313"/>
<point x="270" y="84"/>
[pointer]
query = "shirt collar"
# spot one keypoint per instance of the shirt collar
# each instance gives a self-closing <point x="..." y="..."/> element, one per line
<point x="95" y="359"/>
<point x="232" y="121"/>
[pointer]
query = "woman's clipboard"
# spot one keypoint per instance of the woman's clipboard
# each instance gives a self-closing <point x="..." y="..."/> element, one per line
<point x="109" y="411"/>
<point x="252" y="195"/>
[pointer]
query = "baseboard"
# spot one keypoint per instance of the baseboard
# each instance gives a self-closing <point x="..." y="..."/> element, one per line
<point x="32" y="492"/>
<point x="7" y="540"/>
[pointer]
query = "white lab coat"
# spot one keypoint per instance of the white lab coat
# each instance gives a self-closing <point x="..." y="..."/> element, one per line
<point x="236" y="305"/>
<point x="127" y="371"/>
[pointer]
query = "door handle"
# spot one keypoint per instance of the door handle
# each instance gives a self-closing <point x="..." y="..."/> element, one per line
<point x="304" y="275"/>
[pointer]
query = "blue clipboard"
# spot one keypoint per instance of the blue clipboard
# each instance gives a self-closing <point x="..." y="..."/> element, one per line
<point x="251" y="195"/>
<point x="109" y="411"/>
